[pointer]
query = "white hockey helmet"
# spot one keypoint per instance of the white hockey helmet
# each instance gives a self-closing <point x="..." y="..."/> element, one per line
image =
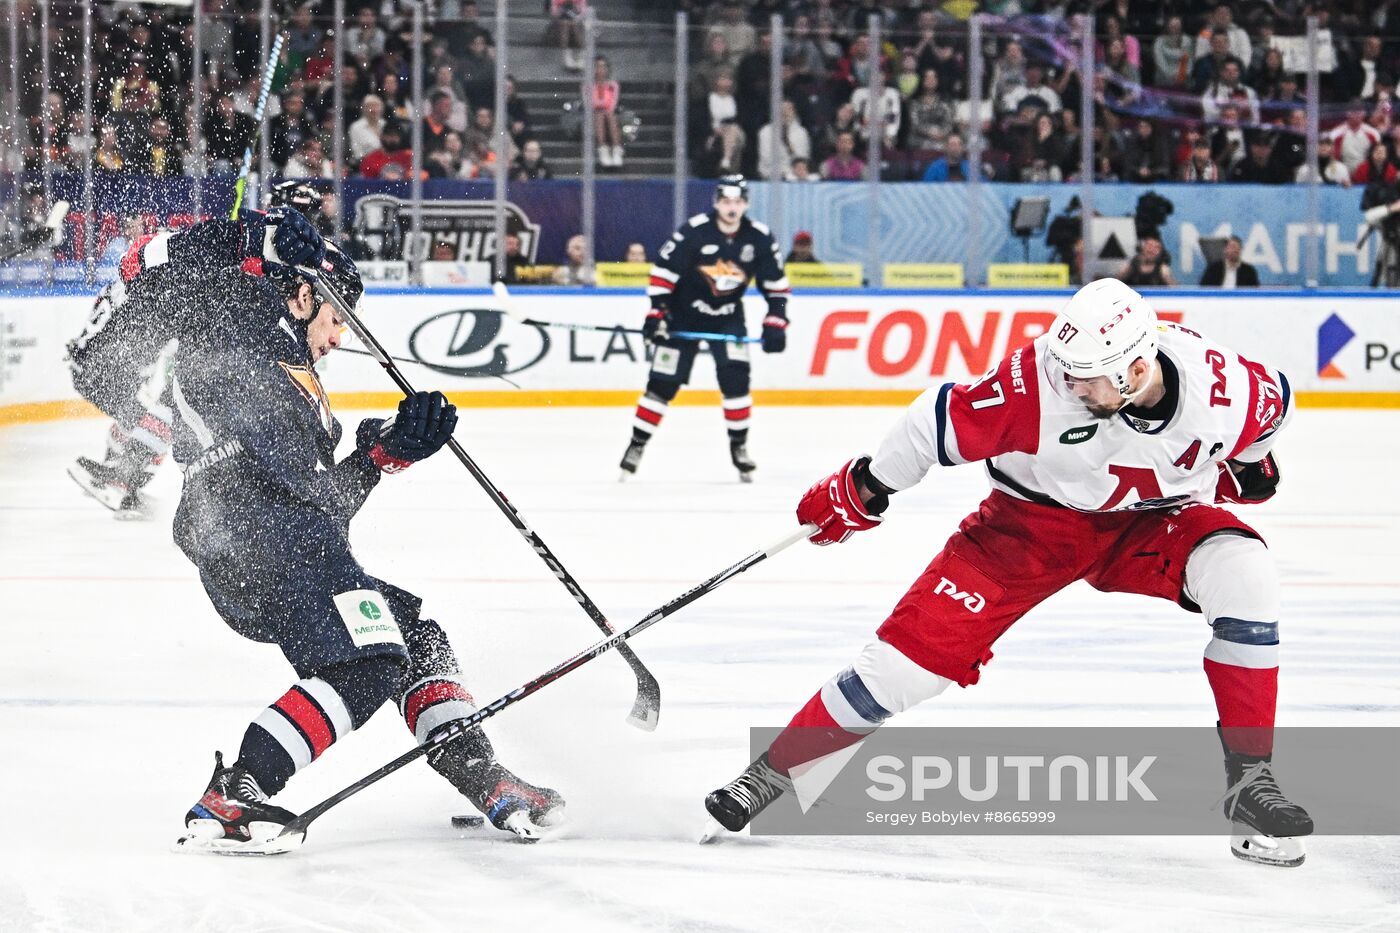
<point x="1102" y="330"/>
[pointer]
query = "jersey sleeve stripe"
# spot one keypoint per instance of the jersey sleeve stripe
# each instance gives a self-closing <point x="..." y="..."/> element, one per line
<point x="948" y="453"/>
<point x="781" y="285"/>
<point x="660" y="272"/>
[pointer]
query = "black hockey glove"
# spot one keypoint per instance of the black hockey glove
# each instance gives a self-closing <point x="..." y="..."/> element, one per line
<point x="282" y="236"/>
<point x="657" y="326"/>
<point x="425" y="423"/>
<point x="1245" y="483"/>
<point x="774" y="334"/>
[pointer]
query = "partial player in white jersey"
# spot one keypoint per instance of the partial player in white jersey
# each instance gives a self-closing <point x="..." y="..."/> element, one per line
<point x="1109" y="442"/>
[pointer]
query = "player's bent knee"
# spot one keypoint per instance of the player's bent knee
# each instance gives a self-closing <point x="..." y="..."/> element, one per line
<point x="1233" y="577"/>
<point x="881" y="682"/>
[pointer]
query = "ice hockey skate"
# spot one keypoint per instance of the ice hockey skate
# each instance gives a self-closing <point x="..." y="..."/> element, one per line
<point x="630" y="461"/>
<point x="1267" y="826"/>
<point x="233" y="817"/>
<point x="98" y="480"/>
<point x="739" y="455"/>
<point x="735" y="804"/>
<point x="508" y="803"/>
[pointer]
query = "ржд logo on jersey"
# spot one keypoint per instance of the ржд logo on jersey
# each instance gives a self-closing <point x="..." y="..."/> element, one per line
<point x="973" y="601"/>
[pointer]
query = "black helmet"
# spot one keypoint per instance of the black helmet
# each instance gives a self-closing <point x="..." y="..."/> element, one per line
<point x="339" y="274"/>
<point x="297" y="194"/>
<point x="732" y="186"/>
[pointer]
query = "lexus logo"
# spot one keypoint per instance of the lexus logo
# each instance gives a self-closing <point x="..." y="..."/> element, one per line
<point x="476" y="342"/>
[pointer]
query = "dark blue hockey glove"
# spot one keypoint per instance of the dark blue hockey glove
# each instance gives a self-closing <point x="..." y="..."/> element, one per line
<point x="425" y="423"/>
<point x="774" y="334"/>
<point x="657" y="326"/>
<point x="284" y="237"/>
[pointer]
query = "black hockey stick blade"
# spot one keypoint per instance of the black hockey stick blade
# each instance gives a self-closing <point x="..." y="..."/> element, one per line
<point x="294" y="833"/>
<point x="646" y="709"/>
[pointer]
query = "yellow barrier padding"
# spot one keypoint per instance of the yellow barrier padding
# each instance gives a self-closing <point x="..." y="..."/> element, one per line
<point x="623" y="274"/>
<point x="1027" y="275"/>
<point x="923" y="275"/>
<point x="825" y="274"/>
<point x="32" y="412"/>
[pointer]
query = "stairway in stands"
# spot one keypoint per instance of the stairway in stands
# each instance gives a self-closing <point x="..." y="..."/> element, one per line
<point x="638" y="39"/>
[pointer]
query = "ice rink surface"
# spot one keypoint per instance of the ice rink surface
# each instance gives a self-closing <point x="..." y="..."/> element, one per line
<point x="118" y="681"/>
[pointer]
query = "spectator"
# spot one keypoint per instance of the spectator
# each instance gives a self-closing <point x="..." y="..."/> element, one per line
<point x="1199" y="166"/>
<point x="739" y="35"/>
<point x="1171" y="56"/>
<point x="1205" y="70"/>
<point x="953" y="165"/>
<point x="1231" y="271"/>
<point x="802" y="48"/>
<point x="365" y="41"/>
<point x="289" y="129"/>
<point x="636" y="252"/>
<point x="1333" y="170"/>
<point x="1222" y="22"/>
<point x="906" y="82"/>
<point x="1351" y="142"/>
<point x="467" y="27"/>
<point x="226" y="134"/>
<point x="135" y="82"/>
<point x="1266" y="78"/>
<point x="391" y="151"/>
<point x="478" y="73"/>
<point x="1009" y="72"/>
<point x="1291" y="148"/>
<point x="1226" y="88"/>
<point x="107" y="157"/>
<point x="1356" y="77"/>
<point x="1034" y="91"/>
<point x="530" y="165"/>
<point x="574" y="272"/>
<point x="517" y="112"/>
<point x="1227" y="145"/>
<point x="1124" y="72"/>
<point x="802" y="248"/>
<point x="133" y="228"/>
<point x="447" y="161"/>
<point x="364" y="132"/>
<point x="844" y="164"/>
<point x="1149" y="266"/>
<point x="566" y="30"/>
<point x="606" y="93"/>
<point x="1144" y="153"/>
<point x="444" y="80"/>
<point x="845" y="121"/>
<point x="931" y="117"/>
<point x="515" y="260"/>
<point x="162" y="156"/>
<point x="1132" y="49"/>
<point x="1259" y="167"/>
<point x="801" y="170"/>
<point x="309" y="162"/>
<point x="482" y="132"/>
<point x="889" y="111"/>
<point x="796" y="143"/>
<point x="303" y="38"/>
<point x="716" y="61"/>
<point x="435" y="126"/>
<point x="1376" y="168"/>
<point x="397" y="105"/>
<point x="723" y="151"/>
<point x="853" y="70"/>
<point x="443" y="251"/>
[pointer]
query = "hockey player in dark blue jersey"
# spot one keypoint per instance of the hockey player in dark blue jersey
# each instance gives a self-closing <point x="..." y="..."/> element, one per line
<point x="265" y="516"/>
<point x="120" y="360"/>
<point x="698" y="284"/>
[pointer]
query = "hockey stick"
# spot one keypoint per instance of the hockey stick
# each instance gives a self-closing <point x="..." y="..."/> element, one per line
<point x="646" y="710"/>
<point x="294" y="833"/>
<point x="510" y="310"/>
<point x="242" y="183"/>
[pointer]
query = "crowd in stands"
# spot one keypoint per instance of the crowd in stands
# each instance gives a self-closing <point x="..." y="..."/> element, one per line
<point x="1183" y="90"/>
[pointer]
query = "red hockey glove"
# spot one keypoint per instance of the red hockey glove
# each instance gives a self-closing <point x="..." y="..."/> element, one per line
<point x="1247" y="483"/>
<point x="834" y="505"/>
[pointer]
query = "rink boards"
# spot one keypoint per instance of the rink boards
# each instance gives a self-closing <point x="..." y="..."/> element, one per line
<point x="844" y="347"/>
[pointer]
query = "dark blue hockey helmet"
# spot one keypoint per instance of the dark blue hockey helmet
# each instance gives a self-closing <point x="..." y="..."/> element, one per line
<point x="298" y="194"/>
<point x="732" y="186"/>
<point x="340" y="275"/>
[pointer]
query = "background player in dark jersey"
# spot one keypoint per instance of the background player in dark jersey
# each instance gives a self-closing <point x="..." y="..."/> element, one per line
<point x="265" y="516"/>
<point x="120" y="360"/>
<point x="698" y="284"/>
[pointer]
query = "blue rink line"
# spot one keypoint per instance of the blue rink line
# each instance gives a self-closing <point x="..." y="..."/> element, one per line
<point x="525" y="291"/>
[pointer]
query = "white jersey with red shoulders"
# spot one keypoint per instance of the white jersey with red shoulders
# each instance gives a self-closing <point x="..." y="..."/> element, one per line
<point x="1042" y="445"/>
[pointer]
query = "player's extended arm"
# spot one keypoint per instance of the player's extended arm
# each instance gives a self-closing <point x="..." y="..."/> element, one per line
<point x="1252" y="474"/>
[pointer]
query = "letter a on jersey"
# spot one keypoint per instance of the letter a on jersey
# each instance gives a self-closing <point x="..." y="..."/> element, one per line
<point x="1141" y="479"/>
<point x="1187" y="460"/>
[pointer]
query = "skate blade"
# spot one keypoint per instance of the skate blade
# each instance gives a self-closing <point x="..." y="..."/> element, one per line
<point x="623" y="476"/>
<point x="205" y="845"/>
<point x="141" y="513"/>
<point x="551" y="825"/>
<point x="746" y="477"/>
<point x="1251" y="846"/>
<point x="710" y="832"/>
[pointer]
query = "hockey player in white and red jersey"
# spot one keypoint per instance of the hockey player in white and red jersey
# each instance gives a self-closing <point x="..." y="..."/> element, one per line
<point x="1109" y="442"/>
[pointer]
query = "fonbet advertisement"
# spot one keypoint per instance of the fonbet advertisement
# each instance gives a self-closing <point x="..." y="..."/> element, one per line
<point x="842" y="349"/>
